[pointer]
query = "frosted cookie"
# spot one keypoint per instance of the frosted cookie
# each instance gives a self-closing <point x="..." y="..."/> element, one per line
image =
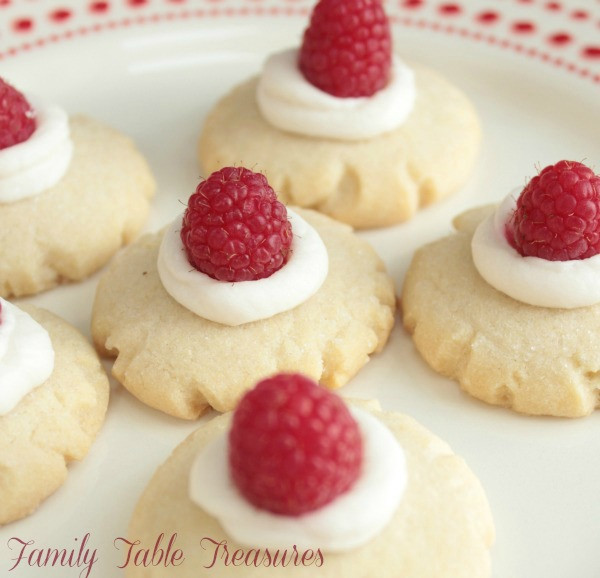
<point x="72" y="191"/>
<point x="53" y="398"/>
<point x="235" y="290"/>
<point x="295" y="482"/>
<point x="509" y="305"/>
<point x="367" y="147"/>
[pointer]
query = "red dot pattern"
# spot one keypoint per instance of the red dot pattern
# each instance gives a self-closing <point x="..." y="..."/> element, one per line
<point x="413" y="3"/>
<point x="447" y="12"/>
<point x="580" y="15"/>
<point x="450" y="9"/>
<point x="488" y="17"/>
<point x="99" y="7"/>
<point x="560" y="39"/>
<point x="60" y="15"/>
<point x="591" y="52"/>
<point x="23" y="24"/>
<point x="520" y="28"/>
<point x="523" y="27"/>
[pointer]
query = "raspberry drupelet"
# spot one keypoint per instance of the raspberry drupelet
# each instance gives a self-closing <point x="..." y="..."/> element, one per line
<point x="234" y="228"/>
<point x="17" y="118"/>
<point x="293" y="446"/>
<point x="347" y="48"/>
<point x="557" y="217"/>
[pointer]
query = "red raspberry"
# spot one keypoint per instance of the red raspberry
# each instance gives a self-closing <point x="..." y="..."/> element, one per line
<point x="558" y="214"/>
<point x="17" y="121"/>
<point x="293" y="446"/>
<point x="347" y="48"/>
<point x="234" y="228"/>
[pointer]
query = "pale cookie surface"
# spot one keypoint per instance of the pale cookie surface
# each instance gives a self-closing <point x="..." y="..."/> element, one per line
<point x="72" y="229"/>
<point x="442" y="528"/>
<point x="180" y="363"/>
<point x="366" y="183"/>
<point x="52" y="425"/>
<point x="535" y="360"/>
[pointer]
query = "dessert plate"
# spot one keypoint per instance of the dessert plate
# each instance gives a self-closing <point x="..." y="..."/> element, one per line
<point x="153" y="68"/>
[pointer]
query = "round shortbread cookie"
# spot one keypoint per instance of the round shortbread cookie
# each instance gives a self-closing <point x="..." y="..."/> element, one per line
<point x="535" y="360"/>
<point x="366" y="183"/>
<point x="52" y="425"/>
<point x="442" y="528"/>
<point x="72" y="229"/>
<point x="180" y="363"/>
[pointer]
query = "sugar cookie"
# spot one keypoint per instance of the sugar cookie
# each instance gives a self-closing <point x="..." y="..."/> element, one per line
<point x="53" y="424"/>
<point x="365" y="139"/>
<point x="535" y="360"/>
<point x="71" y="229"/>
<point x="442" y="526"/>
<point x="181" y="363"/>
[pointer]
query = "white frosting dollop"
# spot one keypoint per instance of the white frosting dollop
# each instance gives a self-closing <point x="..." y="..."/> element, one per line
<point x="245" y="301"/>
<point x="557" y="284"/>
<point x="350" y="520"/>
<point x="35" y="165"/>
<point x="289" y="102"/>
<point x="26" y="355"/>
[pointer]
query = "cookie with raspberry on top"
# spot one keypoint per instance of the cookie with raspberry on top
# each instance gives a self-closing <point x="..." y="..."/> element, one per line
<point x="236" y="288"/>
<point x="296" y="481"/>
<point x="509" y="305"/>
<point x="72" y="192"/>
<point x="344" y="126"/>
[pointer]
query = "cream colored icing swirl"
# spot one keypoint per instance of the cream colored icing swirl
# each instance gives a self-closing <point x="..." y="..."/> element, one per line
<point x="33" y="166"/>
<point x="245" y="301"/>
<point x="289" y="102"/>
<point x="350" y="520"/>
<point x="556" y="284"/>
<point x="26" y="355"/>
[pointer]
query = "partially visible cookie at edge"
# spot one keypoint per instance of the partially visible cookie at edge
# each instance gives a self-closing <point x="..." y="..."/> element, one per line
<point x="69" y="231"/>
<point x="535" y="360"/>
<point x="52" y="425"/>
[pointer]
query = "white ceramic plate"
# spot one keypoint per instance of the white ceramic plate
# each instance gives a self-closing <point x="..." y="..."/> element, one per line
<point x="154" y="68"/>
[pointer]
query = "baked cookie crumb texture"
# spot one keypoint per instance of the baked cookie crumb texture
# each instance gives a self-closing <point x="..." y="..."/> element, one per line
<point x="52" y="425"/>
<point x="180" y="363"/>
<point x="535" y="360"/>
<point x="368" y="183"/>
<point x="73" y="228"/>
